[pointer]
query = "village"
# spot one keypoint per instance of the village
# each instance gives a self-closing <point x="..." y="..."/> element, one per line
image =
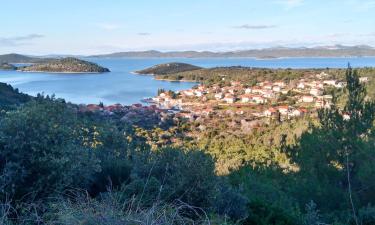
<point x="245" y="107"/>
<point x="253" y="105"/>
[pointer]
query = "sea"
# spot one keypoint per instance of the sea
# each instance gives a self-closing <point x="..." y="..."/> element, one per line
<point x="122" y="86"/>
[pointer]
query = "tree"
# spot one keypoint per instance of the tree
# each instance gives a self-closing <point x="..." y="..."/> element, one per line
<point x="336" y="157"/>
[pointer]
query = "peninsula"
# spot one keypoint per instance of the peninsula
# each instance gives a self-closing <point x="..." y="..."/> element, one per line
<point x="168" y="68"/>
<point x="65" y="65"/>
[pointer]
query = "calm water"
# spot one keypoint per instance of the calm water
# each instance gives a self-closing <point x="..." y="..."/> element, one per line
<point x="121" y="86"/>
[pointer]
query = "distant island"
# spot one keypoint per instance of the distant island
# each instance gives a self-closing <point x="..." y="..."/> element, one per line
<point x="168" y="68"/>
<point x="17" y="58"/>
<point x="7" y="66"/>
<point x="65" y="65"/>
<point x="277" y="52"/>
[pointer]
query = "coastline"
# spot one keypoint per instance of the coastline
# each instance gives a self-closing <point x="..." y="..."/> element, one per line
<point x="22" y="71"/>
<point x="161" y="79"/>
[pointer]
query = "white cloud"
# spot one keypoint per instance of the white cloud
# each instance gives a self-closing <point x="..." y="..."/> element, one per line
<point x="18" y="40"/>
<point x="255" y="27"/>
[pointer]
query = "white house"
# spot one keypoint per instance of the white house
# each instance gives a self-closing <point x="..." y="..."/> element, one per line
<point x="230" y="99"/>
<point x="301" y="85"/>
<point x="270" y="112"/>
<point x="246" y="98"/>
<point x="284" y="110"/>
<point x="248" y="90"/>
<point x="316" y="92"/>
<point x="364" y="79"/>
<point x="307" y="99"/>
<point x="276" y="88"/>
<point x="259" y="99"/>
<point x="219" y="96"/>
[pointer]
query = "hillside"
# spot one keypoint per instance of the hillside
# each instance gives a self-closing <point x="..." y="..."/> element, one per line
<point x="169" y="68"/>
<point x="66" y="65"/>
<point x="10" y="96"/>
<point x="7" y="66"/>
<point x="278" y="52"/>
<point x="17" y="58"/>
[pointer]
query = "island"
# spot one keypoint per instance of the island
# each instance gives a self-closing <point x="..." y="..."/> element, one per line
<point x="65" y="65"/>
<point x="168" y="68"/>
<point x="7" y="66"/>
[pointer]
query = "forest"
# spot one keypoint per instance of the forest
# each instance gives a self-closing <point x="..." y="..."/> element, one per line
<point x="62" y="166"/>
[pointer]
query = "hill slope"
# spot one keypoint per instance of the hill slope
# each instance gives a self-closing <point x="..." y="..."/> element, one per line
<point x="169" y="68"/>
<point x="66" y="65"/>
<point x="17" y="58"/>
<point x="10" y="96"/>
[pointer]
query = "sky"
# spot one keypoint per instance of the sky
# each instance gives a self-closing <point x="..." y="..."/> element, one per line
<point x="85" y="27"/>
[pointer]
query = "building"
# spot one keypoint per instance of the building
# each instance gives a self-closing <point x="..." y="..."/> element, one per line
<point x="284" y="110"/>
<point x="316" y="92"/>
<point x="248" y="90"/>
<point x="270" y="112"/>
<point x="276" y="88"/>
<point x="301" y="85"/>
<point x="307" y="99"/>
<point x="230" y="99"/>
<point x="246" y="98"/>
<point x="259" y="99"/>
<point x="364" y="79"/>
<point x="219" y="96"/>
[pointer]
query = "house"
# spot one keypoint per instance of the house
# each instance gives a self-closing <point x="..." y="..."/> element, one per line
<point x="330" y="82"/>
<point x="364" y="79"/>
<point x="298" y="112"/>
<point x="279" y="83"/>
<point x="248" y="90"/>
<point x="235" y="83"/>
<point x="307" y="99"/>
<point x="316" y="92"/>
<point x="270" y="112"/>
<point x="276" y="88"/>
<point x="199" y="93"/>
<point x="301" y="85"/>
<point x="257" y="90"/>
<point x="93" y="107"/>
<point x="284" y="110"/>
<point x="340" y="85"/>
<point x="188" y="93"/>
<point x="259" y="99"/>
<point x="230" y="99"/>
<point x="246" y="98"/>
<point x="268" y="94"/>
<point x="219" y="96"/>
<point x="267" y="87"/>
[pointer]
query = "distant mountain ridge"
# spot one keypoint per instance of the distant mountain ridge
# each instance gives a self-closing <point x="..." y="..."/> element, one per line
<point x="276" y="52"/>
<point x="17" y="58"/>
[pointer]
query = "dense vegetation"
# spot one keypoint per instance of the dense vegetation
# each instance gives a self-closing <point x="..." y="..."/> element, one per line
<point x="60" y="166"/>
<point x="169" y="68"/>
<point x="66" y="65"/>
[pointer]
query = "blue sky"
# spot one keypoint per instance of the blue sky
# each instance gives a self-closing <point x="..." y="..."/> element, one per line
<point x="103" y="26"/>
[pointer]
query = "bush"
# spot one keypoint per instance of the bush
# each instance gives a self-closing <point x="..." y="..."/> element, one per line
<point x="40" y="153"/>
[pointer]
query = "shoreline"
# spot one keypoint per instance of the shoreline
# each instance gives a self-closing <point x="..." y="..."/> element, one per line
<point x="60" y="72"/>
